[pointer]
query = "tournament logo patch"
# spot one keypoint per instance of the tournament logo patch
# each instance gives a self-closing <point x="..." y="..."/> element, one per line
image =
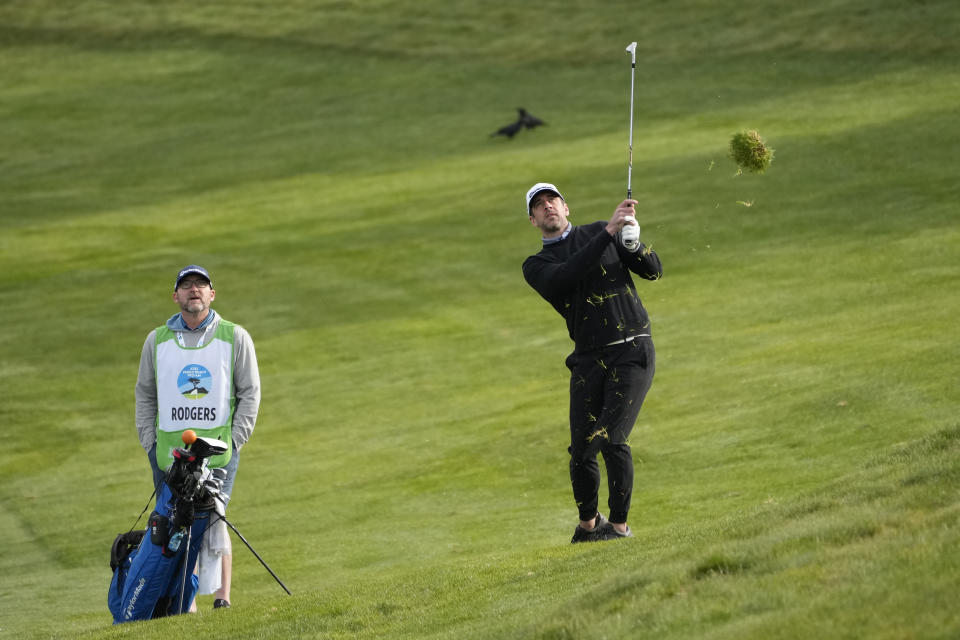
<point x="194" y="382"/>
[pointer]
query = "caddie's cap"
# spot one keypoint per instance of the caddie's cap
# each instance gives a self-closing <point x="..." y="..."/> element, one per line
<point x="193" y="268"/>
<point x="537" y="188"/>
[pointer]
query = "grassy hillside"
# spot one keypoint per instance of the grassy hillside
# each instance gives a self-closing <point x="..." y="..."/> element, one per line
<point x="330" y="162"/>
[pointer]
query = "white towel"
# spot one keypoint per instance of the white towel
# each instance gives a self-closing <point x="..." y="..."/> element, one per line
<point x="216" y="542"/>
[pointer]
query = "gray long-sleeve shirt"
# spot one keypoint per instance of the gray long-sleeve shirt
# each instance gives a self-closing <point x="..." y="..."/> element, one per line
<point x="246" y="380"/>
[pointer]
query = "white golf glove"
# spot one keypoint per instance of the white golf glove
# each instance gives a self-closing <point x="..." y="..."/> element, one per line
<point x="630" y="235"/>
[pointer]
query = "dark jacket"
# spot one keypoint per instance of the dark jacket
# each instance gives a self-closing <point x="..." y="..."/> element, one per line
<point x="586" y="277"/>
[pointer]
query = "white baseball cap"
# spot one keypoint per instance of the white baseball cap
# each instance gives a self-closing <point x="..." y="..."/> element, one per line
<point x="537" y="188"/>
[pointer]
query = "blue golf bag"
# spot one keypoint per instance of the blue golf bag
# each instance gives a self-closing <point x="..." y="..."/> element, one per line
<point x="155" y="577"/>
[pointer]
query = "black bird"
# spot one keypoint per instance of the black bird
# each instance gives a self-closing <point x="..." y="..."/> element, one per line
<point x="510" y="130"/>
<point x="524" y="120"/>
<point x="529" y="120"/>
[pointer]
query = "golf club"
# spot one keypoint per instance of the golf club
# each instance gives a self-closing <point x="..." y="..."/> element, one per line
<point x="632" y="49"/>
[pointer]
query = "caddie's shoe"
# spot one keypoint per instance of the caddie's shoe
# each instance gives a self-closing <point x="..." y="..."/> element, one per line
<point x="589" y="535"/>
<point x="609" y="533"/>
<point x="220" y="603"/>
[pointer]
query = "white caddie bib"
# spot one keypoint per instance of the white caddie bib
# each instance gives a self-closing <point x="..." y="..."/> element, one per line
<point x="194" y="391"/>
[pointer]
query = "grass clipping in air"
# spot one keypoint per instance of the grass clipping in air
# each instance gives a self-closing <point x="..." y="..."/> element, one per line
<point x="750" y="152"/>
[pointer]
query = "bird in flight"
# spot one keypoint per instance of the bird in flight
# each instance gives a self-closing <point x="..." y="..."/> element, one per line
<point x="525" y="120"/>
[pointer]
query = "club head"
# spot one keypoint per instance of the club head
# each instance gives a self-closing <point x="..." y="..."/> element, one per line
<point x="207" y="447"/>
<point x="632" y="50"/>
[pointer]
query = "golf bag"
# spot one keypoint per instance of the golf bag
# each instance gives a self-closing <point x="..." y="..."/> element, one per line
<point x="154" y="576"/>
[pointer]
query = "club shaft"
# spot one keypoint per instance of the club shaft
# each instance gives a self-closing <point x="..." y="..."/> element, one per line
<point x="633" y="67"/>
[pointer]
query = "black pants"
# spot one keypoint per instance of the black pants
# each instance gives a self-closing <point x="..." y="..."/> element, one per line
<point x="607" y="389"/>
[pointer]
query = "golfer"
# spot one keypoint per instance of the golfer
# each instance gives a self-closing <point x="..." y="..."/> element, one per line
<point x="198" y="371"/>
<point x="584" y="272"/>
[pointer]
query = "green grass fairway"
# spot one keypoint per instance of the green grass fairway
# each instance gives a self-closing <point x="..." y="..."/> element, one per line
<point x="330" y="162"/>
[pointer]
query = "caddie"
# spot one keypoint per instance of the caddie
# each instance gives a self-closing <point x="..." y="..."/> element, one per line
<point x="197" y="371"/>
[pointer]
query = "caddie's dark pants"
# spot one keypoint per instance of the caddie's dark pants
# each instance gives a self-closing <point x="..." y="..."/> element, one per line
<point x="607" y="389"/>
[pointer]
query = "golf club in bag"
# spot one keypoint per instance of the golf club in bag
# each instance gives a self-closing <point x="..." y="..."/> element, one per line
<point x="155" y="577"/>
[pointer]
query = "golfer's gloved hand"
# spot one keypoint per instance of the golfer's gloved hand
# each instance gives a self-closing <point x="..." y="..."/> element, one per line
<point x="630" y="235"/>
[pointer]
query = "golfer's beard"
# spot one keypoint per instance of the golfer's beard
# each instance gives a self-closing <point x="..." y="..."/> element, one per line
<point x="555" y="224"/>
